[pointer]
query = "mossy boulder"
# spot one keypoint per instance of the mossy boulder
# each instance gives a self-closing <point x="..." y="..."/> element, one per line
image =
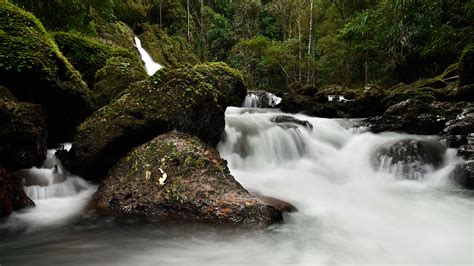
<point x="117" y="34"/>
<point x="177" y="176"/>
<point x="466" y="66"/>
<point x="115" y="77"/>
<point x="184" y="98"/>
<point x="12" y="196"/>
<point x="427" y="90"/>
<point x="34" y="70"/>
<point x="23" y="135"/>
<point x="170" y="51"/>
<point x="88" y="55"/>
<point x="463" y="175"/>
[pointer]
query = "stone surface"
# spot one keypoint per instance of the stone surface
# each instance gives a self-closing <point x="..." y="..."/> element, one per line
<point x="12" y="196"/>
<point x="177" y="176"/>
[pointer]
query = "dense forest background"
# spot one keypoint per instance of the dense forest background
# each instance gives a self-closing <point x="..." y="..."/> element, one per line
<point x="283" y="44"/>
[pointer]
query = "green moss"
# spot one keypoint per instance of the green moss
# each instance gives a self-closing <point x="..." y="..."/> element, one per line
<point x="88" y="55"/>
<point x="170" y="51"/>
<point x="450" y="71"/>
<point x="115" y="77"/>
<point x="28" y="55"/>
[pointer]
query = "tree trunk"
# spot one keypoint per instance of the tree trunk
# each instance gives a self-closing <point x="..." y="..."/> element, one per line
<point x="310" y="34"/>
<point x="188" y="34"/>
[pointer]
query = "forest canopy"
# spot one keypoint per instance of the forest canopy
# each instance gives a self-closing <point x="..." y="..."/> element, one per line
<point x="280" y="44"/>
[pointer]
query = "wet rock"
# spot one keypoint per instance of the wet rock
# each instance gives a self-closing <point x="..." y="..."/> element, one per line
<point x="290" y="120"/>
<point x="424" y="124"/>
<point x="185" y="98"/>
<point x="295" y="103"/>
<point x="409" y="158"/>
<point x="463" y="175"/>
<point x="34" y="70"/>
<point x="176" y="176"/>
<point x="12" y="196"/>
<point x="278" y="204"/>
<point x="410" y="107"/>
<point x="23" y="134"/>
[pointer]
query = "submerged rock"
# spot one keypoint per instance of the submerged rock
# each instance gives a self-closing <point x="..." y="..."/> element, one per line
<point x="12" y="196"/>
<point x="290" y="120"/>
<point x="463" y="175"/>
<point x="34" y="70"/>
<point x="186" y="99"/>
<point x="23" y="135"/>
<point x="409" y="158"/>
<point x="177" y="176"/>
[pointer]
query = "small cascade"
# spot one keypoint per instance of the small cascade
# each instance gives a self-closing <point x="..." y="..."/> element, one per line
<point x="261" y="99"/>
<point x="338" y="98"/>
<point x="52" y="180"/>
<point x="150" y="65"/>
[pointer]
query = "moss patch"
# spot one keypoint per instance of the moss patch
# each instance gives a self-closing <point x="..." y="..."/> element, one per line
<point x="88" y="55"/>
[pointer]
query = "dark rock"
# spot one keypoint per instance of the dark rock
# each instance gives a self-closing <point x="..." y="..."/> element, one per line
<point x="463" y="175"/>
<point x="424" y="124"/>
<point x="278" y="204"/>
<point x="115" y="77"/>
<point x="23" y="135"/>
<point x="185" y="98"/>
<point x="464" y="93"/>
<point x="411" y="156"/>
<point x="463" y="125"/>
<point x="410" y="107"/>
<point x="12" y="196"/>
<point x="35" y="71"/>
<point x="295" y="103"/>
<point x="176" y="176"/>
<point x="286" y="119"/>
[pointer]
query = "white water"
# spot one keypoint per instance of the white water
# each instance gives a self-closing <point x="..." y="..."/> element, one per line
<point x="150" y="65"/>
<point x="58" y="195"/>
<point x="350" y="212"/>
<point x="256" y="99"/>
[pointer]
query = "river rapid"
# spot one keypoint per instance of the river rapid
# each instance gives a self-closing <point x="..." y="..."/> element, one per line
<point x="350" y="210"/>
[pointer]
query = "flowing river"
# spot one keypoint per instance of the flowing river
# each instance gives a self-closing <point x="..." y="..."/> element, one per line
<point x="350" y="209"/>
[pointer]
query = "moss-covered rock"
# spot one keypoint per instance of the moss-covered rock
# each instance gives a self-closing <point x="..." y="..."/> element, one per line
<point x="185" y="99"/>
<point x="12" y="196"/>
<point x="23" y="135"/>
<point x="116" y="34"/>
<point x="427" y="90"/>
<point x="34" y="70"/>
<point x="170" y="51"/>
<point x="176" y="176"/>
<point x="466" y="66"/>
<point x="117" y="74"/>
<point x="450" y="72"/>
<point x="88" y="55"/>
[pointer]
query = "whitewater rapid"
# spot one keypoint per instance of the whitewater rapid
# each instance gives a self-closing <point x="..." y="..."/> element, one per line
<point x="349" y="211"/>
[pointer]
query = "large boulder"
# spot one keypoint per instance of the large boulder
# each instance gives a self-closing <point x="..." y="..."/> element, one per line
<point x="463" y="175"/>
<point x="410" y="158"/>
<point x="115" y="77"/>
<point x="88" y="55"/>
<point x="12" y="196"/>
<point x="423" y="124"/>
<point x="466" y="66"/>
<point x="186" y="99"/>
<point x="116" y="34"/>
<point x="23" y="134"/>
<point x="34" y="70"/>
<point x="176" y="176"/>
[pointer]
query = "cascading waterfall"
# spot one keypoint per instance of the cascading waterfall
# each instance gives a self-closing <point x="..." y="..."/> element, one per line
<point x="150" y="65"/>
<point x="58" y="194"/>
<point x="261" y="99"/>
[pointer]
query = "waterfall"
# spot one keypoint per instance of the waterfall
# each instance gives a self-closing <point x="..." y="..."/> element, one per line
<point x="58" y="195"/>
<point x="261" y="99"/>
<point x="150" y="65"/>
